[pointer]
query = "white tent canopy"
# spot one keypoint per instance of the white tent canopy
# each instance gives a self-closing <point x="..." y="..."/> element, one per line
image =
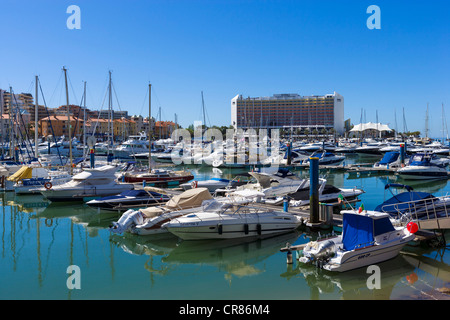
<point x="370" y="126"/>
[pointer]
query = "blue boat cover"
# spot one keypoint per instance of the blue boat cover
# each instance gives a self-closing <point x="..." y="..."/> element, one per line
<point x="357" y="231"/>
<point x="390" y="157"/>
<point x="399" y="203"/>
<point x="135" y="194"/>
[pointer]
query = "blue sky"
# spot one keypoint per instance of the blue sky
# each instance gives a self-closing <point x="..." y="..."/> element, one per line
<point x="230" y="47"/>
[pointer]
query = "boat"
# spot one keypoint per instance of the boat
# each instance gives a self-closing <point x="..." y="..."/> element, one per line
<point x="370" y="149"/>
<point x="211" y="184"/>
<point x="327" y="194"/>
<point x="129" y="199"/>
<point x="28" y="178"/>
<point x="367" y="238"/>
<point x="422" y="167"/>
<point x="227" y="220"/>
<point x="32" y="185"/>
<point x="325" y="158"/>
<point x="270" y="181"/>
<point x="158" y="177"/>
<point x="90" y="183"/>
<point x="134" y="145"/>
<point x="413" y="205"/>
<point x="146" y="221"/>
<point x="390" y="159"/>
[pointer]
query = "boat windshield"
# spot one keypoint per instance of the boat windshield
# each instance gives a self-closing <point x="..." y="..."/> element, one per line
<point x="214" y="205"/>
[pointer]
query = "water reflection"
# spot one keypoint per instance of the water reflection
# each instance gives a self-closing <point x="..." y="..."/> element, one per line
<point x="41" y="236"/>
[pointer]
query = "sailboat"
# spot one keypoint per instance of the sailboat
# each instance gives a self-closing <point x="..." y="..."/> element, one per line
<point x="156" y="176"/>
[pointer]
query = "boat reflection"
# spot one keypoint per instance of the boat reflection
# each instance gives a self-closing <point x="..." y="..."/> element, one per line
<point x="234" y="257"/>
<point x="351" y="285"/>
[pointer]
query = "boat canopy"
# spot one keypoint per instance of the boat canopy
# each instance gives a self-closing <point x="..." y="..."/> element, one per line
<point x="189" y="199"/>
<point x="404" y="201"/>
<point x="360" y="230"/>
<point x="390" y="157"/>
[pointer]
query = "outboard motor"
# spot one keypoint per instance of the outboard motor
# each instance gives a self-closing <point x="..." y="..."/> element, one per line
<point x="318" y="251"/>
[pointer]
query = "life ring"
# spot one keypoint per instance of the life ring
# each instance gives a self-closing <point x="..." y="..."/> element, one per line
<point x="48" y="185"/>
<point x="194" y="184"/>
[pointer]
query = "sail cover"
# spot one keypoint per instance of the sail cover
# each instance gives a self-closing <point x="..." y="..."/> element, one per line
<point x="357" y="231"/>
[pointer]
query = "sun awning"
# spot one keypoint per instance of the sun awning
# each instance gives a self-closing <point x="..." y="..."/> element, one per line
<point x="23" y="173"/>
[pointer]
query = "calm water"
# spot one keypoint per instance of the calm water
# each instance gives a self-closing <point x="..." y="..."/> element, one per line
<point x="39" y="240"/>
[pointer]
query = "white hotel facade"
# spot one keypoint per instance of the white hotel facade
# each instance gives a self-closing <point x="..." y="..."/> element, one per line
<point x="289" y="111"/>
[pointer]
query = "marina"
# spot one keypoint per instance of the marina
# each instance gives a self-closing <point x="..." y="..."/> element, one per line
<point x="54" y="235"/>
<point x="240" y="153"/>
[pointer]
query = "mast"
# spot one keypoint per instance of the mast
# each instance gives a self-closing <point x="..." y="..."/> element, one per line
<point x="36" y="113"/>
<point x="426" y="123"/>
<point x="68" y="119"/>
<point x="149" y="127"/>
<point x="203" y="110"/>
<point x="11" y="125"/>
<point x="110" y="116"/>
<point x="84" y="118"/>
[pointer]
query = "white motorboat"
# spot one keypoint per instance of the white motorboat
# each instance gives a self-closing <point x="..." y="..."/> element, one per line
<point x="91" y="183"/>
<point x="134" y="145"/>
<point x="422" y="167"/>
<point x="391" y="159"/>
<point x="370" y="149"/>
<point x="148" y="221"/>
<point x="326" y="158"/>
<point x="212" y="184"/>
<point x="222" y="220"/>
<point x="367" y="238"/>
<point x="327" y="193"/>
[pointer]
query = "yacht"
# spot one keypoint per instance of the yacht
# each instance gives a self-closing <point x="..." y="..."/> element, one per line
<point x="390" y="159"/>
<point x="158" y="176"/>
<point x="422" y="167"/>
<point x="134" y="145"/>
<point x="227" y="220"/>
<point x="147" y="221"/>
<point x="129" y="199"/>
<point x="370" y="149"/>
<point x="327" y="194"/>
<point x="368" y="238"/>
<point x="326" y="158"/>
<point x="211" y="184"/>
<point x="90" y="183"/>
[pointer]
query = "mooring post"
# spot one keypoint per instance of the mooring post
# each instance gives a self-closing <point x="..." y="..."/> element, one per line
<point x="92" y="158"/>
<point x="314" y="190"/>
<point x="288" y="151"/>
<point x="402" y="154"/>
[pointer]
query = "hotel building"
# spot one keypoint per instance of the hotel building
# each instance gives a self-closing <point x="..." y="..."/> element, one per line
<point x="289" y="111"/>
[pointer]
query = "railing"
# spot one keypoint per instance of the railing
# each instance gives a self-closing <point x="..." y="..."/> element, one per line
<point x="422" y="209"/>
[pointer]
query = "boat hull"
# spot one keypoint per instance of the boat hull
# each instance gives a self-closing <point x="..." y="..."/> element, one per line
<point x="421" y="173"/>
<point x="215" y="231"/>
<point x="71" y="195"/>
<point x="366" y="256"/>
<point x="140" y="179"/>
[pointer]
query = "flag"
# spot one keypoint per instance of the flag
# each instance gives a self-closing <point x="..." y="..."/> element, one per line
<point x="340" y="198"/>
<point x="361" y="208"/>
